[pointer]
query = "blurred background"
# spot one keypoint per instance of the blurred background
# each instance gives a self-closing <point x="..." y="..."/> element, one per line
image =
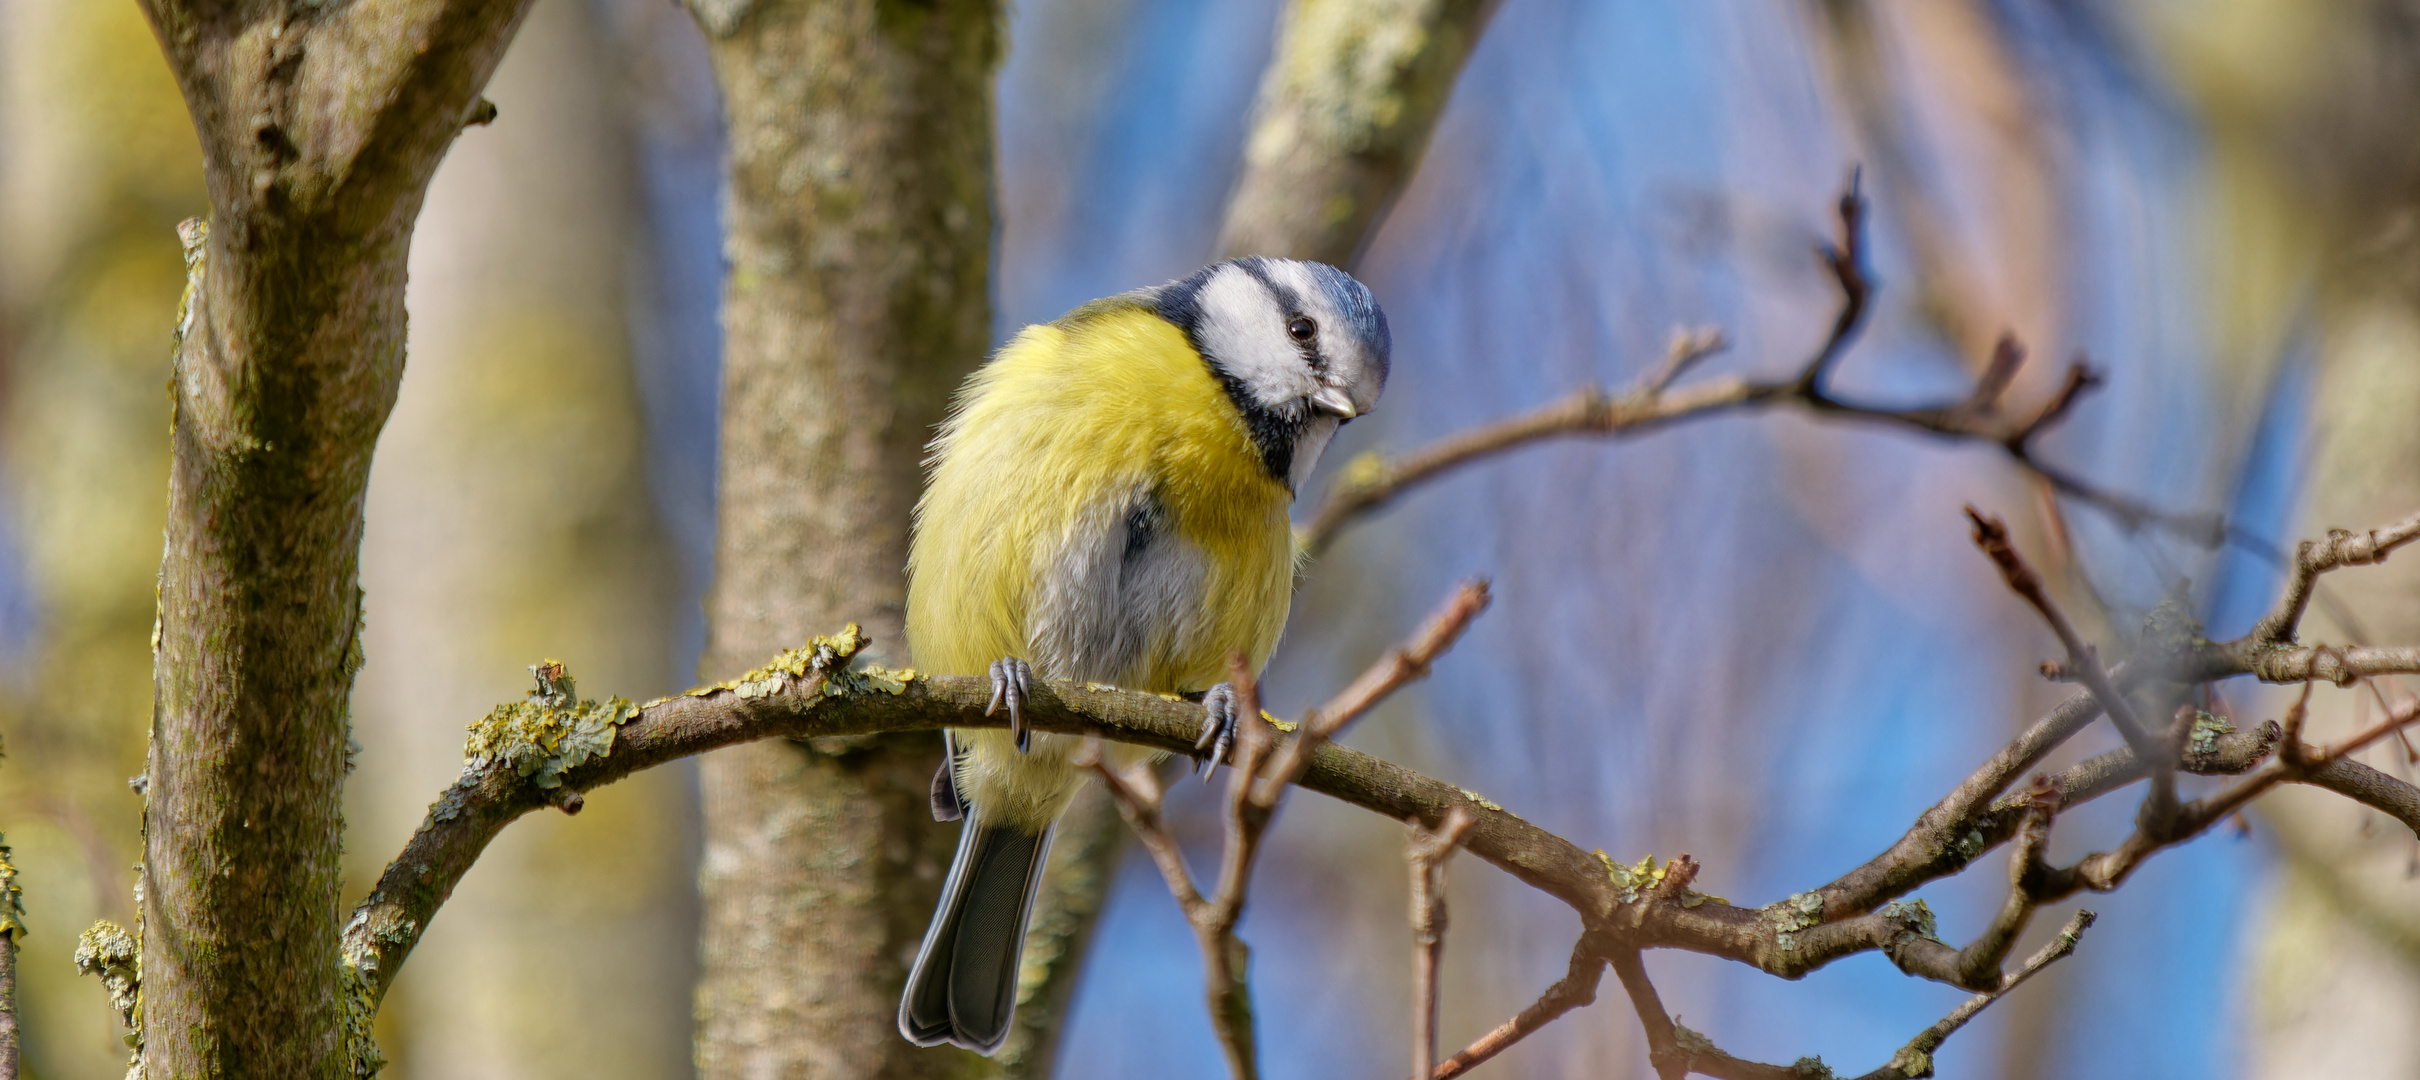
<point x="1763" y="639"/>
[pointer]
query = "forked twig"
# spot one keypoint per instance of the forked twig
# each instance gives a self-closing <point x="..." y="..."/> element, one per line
<point x="1370" y="482"/>
<point x="1265" y="764"/>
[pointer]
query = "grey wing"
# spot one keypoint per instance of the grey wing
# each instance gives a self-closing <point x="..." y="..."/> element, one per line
<point x="1124" y="589"/>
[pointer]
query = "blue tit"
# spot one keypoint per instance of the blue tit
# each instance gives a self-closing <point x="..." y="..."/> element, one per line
<point x="1107" y="502"/>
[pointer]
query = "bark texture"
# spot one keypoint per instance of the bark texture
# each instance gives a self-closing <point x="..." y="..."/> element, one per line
<point x="1345" y="111"/>
<point x="859" y="240"/>
<point x="320" y="128"/>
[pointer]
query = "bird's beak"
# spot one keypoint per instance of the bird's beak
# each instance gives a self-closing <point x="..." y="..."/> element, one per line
<point x="1334" y="402"/>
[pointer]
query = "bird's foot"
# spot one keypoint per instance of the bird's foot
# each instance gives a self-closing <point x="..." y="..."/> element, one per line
<point x="1218" y="729"/>
<point x="1012" y="684"/>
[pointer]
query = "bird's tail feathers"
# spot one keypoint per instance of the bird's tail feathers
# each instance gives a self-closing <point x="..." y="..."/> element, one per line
<point x="963" y="988"/>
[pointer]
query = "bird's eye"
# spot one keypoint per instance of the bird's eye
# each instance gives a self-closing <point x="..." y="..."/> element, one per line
<point x="1301" y="329"/>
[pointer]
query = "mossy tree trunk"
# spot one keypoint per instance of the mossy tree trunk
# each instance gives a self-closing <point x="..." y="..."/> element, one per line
<point x="859" y="241"/>
<point x="320" y="127"/>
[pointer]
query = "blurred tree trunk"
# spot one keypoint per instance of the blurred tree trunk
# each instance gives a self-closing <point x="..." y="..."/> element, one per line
<point x="1345" y="110"/>
<point x="568" y="952"/>
<point x="2307" y="109"/>
<point x="319" y="133"/>
<point x="101" y="165"/>
<point x="2335" y="976"/>
<point x="859" y="242"/>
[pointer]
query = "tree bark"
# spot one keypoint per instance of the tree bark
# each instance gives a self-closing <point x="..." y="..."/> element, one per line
<point x="859" y="239"/>
<point x="1345" y="110"/>
<point x="320" y="128"/>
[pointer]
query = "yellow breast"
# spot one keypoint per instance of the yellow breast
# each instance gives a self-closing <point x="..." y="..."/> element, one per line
<point x="1049" y="445"/>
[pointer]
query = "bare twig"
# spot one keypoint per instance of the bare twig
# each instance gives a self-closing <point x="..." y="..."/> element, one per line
<point x="1916" y="1058"/>
<point x="1979" y="961"/>
<point x="1677" y="1051"/>
<point x="2370" y="788"/>
<point x="1224" y="955"/>
<point x="1370" y="482"/>
<point x="2102" y="871"/>
<point x="1688" y="347"/>
<point x="1577" y="988"/>
<point x="1427" y="852"/>
<point x="2315" y="557"/>
<point x="1399" y="667"/>
<point x="2159" y="807"/>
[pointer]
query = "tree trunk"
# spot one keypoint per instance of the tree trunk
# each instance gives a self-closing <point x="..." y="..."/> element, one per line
<point x="859" y="239"/>
<point x="319" y="134"/>
<point x="1345" y="110"/>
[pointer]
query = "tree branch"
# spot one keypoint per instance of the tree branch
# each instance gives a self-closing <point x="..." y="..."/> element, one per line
<point x="2315" y="557"/>
<point x="1345" y="109"/>
<point x="545" y="752"/>
<point x="1427" y="852"/>
<point x="1677" y="1051"/>
<point x="1369" y="483"/>
<point x="2085" y="662"/>
<point x="1577" y="988"/>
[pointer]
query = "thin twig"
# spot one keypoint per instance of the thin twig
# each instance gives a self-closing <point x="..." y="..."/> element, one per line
<point x="1427" y="852"/>
<point x="1916" y="1058"/>
<point x="1689" y="346"/>
<point x="2103" y="871"/>
<point x="1400" y="666"/>
<point x="2315" y="557"/>
<point x="1577" y="988"/>
<point x="2084" y="660"/>
<point x="1677" y="1052"/>
<point x="1370" y="483"/>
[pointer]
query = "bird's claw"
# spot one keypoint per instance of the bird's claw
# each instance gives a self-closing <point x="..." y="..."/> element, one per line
<point x="1012" y="685"/>
<point x="1218" y="729"/>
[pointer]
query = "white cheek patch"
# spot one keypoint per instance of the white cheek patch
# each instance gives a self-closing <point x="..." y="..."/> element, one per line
<point x="1243" y="328"/>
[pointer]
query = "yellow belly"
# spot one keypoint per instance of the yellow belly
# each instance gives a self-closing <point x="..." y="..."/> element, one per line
<point x="1058" y="451"/>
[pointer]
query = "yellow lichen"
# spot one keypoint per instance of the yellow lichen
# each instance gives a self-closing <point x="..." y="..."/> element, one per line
<point x="1482" y="800"/>
<point x="12" y="898"/>
<point x="108" y="952"/>
<point x="548" y="733"/>
<point x="827" y="653"/>
<point x="1367" y="469"/>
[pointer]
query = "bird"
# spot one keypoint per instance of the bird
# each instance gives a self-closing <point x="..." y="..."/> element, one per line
<point x="1107" y="502"/>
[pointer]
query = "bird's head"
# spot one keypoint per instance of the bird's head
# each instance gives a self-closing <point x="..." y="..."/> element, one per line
<point x="1301" y="347"/>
